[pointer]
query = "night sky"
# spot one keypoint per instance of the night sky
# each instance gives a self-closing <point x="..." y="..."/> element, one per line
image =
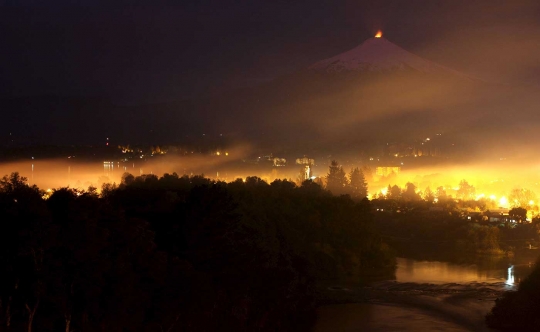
<point x="144" y="51"/>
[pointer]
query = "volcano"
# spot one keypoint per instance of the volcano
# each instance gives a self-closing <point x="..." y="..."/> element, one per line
<point x="375" y="92"/>
<point x="378" y="54"/>
<point x="371" y="95"/>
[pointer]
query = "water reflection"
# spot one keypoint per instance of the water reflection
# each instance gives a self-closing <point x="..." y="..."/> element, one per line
<point x="420" y="299"/>
<point x="510" y="279"/>
<point x="436" y="272"/>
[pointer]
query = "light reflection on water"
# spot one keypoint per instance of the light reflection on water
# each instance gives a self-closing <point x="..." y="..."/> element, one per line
<point x="415" y="305"/>
<point x="436" y="272"/>
<point x="510" y="278"/>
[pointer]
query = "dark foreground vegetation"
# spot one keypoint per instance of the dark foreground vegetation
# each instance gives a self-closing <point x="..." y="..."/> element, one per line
<point x="177" y="254"/>
<point x="418" y="230"/>
<point x="518" y="311"/>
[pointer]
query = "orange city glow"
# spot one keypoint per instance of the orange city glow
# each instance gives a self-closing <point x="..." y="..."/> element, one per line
<point x="379" y="34"/>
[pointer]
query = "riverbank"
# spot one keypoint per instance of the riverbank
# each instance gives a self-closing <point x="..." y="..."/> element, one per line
<point x="426" y="295"/>
<point x="395" y="306"/>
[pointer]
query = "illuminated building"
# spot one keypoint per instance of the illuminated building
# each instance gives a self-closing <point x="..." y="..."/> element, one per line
<point x="279" y="161"/>
<point x="307" y="172"/>
<point x="387" y="170"/>
<point x="305" y="161"/>
<point x="497" y="216"/>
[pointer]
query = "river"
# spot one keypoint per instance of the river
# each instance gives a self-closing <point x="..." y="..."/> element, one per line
<point x="425" y="296"/>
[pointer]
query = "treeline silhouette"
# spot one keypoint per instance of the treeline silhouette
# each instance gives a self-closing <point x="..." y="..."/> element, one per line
<point x="424" y="230"/>
<point x="177" y="253"/>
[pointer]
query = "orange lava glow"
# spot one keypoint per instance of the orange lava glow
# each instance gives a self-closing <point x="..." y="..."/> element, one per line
<point x="379" y="34"/>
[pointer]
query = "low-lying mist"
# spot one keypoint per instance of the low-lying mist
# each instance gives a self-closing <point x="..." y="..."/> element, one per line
<point x="492" y="180"/>
<point x="495" y="179"/>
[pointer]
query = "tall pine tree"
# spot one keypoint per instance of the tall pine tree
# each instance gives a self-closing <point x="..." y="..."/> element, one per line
<point x="358" y="185"/>
<point x="336" y="181"/>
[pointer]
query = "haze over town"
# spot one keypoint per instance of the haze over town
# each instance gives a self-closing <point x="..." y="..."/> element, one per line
<point x="240" y="165"/>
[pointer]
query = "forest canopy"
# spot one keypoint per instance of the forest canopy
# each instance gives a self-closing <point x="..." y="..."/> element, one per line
<point x="177" y="253"/>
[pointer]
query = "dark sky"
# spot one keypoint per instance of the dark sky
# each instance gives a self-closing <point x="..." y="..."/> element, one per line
<point x="161" y="50"/>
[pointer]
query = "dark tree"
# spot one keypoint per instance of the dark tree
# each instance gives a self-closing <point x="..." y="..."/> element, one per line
<point x="466" y="191"/>
<point x="394" y="192"/>
<point x="358" y="185"/>
<point x="441" y="195"/>
<point x="336" y="181"/>
<point x="518" y="214"/>
<point x="518" y="311"/>
<point x="178" y="253"/>
<point x="409" y="194"/>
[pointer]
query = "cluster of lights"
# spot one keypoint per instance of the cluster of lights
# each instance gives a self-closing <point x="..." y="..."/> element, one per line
<point x="502" y="201"/>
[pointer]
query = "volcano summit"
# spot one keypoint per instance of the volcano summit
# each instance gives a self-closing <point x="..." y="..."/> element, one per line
<point x="378" y="54"/>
